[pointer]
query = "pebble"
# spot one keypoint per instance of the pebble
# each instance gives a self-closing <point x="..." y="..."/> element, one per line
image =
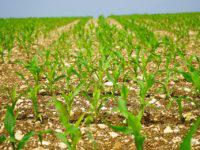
<point x="18" y="135"/>
<point x="83" y="130"/>
<point x="108" y="83"/>
<point x="23" y="87"/>
<point x="168" y="130"/>
<point x="140" y="77"/>
<point x="103" y="108"/>
<point x="176" y="130"/>
<point x="19" y="101"/>
<point x="156" y="138"/>
<point x="188" y="116"/>
<point x="172" y="83"/>
<point x="195" y="141"/>
<point x="176" y="139"/>
<point x="45" y="143"/>
<point x="152" y="101"/>
<point x="102" y="126"/>
<point x="113" y="134"/>
<point x="187" y="89"/>
<point x="162" y="96"/>
<point x="58" y="130"/>
<point x="62" y="145"/>
<point x="93" y="129"/>
<point x="42" y="91"/>
<point x="158" y="104"/>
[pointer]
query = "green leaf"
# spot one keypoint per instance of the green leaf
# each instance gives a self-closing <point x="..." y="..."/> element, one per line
<point x="186" y="75"/>
<point x="122" y="108"/>
<point x="196" y="79"/>
<point x="122" y="129"/>
<point x="78" y="122"/>
<point x="2" y="138"/>
<point x="10" y="121"/>
<point x="96" y="96"/>
<point x="150" y="81"/>
<point x="135" y="124"/>
<point x="186" y="143"/>
<point x="124" y="93"/>
<point x="62" y="113"/>
<point x="59" y="78"/>
<point x="63" y="138"/>
<point x="25" y="139"/>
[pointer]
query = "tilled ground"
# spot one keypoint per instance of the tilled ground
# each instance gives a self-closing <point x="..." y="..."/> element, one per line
<point x="160" y="125"/>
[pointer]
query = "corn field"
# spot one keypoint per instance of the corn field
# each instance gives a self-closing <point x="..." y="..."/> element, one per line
<point x="128" y="82"/>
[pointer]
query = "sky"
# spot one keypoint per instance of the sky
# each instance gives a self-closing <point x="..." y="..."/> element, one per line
<point x="57" y="8"/>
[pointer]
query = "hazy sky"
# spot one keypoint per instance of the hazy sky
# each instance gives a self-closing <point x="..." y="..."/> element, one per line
<point x="41" y="8"/>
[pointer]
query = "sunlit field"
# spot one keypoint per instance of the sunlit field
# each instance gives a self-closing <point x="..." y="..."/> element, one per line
<point x="121" y="83"/>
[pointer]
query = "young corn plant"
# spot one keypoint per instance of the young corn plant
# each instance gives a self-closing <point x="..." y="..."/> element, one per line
<point x="33" y="95"/>
<point x="72" y="131"/>
<point x="69" y="98"/>
<point x="134" y="125"/>
<point x="2" y="54"/>
<point x="34" y="68"/>
<point x="9" y="123"/>
<point x="145" y="86"/>
<point x="186" y="142"/>
<point x="193" y="73"/>
<point x="9" y="44"/>
<point x="51" y="72"/>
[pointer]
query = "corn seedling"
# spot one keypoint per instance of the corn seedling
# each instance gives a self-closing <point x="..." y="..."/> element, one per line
<point x="9" y="123"/>
<point x="186" y="143"/>
<point x="71" y="130"/>
<point x="33" y="95"/>
<point x="51" y="72"/>
<point x="133" y="126"/>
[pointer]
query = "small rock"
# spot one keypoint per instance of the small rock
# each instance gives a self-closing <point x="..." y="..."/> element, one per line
<point x="67" y="64"/>
<point x="188" y="116"/>
<point x="176" y="139"/>
<point x="83" y="130"/>
<point x="18" y="135"/>
<point x="162" y="96"/>
<point x="102" y="126"/>
<point x="187" y="89"/>
<point x="93" y="129"/>
<point x="45" y="143"/>
<point x="108" y="83"/>
<point x="158" y="104"/>
<point x="176" y="130"/>
<point x="140" y="77"/>
<point x="152" y="101"/>
<point x="126" y="140"/>
<point x="195" y="141"/>
<point x="19" y="101"/>
<point x="193" y="104"/>
<point x="156" y="138"/>
<point x="168" y="130"/>
<point x="58" y="130"/>
<point x="23" y="87"/>
<point x="172" y="83"/>
<point x="113" y="134"/>
<point x="42" y="91"/>
<point x="103" y="108"/>
<point x="62" y="145"/>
